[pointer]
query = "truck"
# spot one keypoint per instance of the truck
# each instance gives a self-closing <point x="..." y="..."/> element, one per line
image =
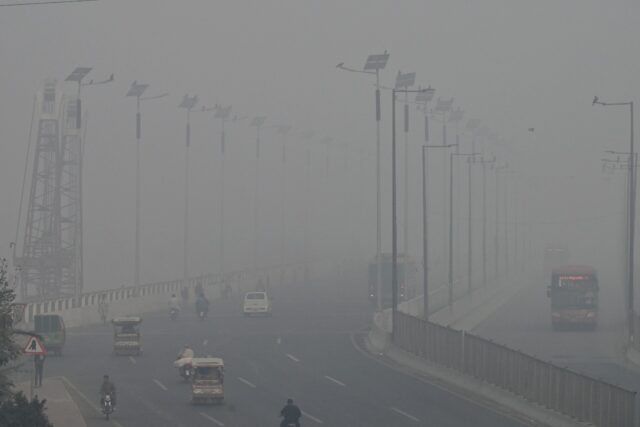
<point x="574" y="297"/>
<point x="407" y="279"/>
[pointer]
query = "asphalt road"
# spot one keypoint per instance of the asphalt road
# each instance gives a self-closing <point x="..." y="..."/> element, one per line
<point x="309" y="351"/>
<point x="524" y="323"/>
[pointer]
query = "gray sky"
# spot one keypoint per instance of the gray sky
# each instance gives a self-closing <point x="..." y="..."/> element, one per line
<point x="514" y="65"/>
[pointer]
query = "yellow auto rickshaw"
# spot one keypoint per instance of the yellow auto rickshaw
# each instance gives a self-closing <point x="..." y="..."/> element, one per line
<point x="126" y="336"/>
<point x="207" y="385"/>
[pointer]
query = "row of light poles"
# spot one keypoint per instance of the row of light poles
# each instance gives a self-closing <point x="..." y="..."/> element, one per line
<point x="631" y="213"/>
<point x="443" y="108"/>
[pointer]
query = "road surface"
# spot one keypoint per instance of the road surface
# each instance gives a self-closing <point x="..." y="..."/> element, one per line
<point x="310" y="350"/>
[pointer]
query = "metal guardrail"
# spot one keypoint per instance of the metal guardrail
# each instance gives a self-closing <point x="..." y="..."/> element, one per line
<point x="560" y="389"/>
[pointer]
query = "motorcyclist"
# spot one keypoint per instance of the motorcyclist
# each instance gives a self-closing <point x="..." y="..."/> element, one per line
<point x="202" y="305"/>
<point x="186" y="352"/>
<point x="173" y="303"/>
<point x="109" y="388"/>
<point x="291" y="414"/>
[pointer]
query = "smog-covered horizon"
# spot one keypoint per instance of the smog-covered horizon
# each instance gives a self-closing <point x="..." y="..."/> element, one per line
<point x="526" y="72"/>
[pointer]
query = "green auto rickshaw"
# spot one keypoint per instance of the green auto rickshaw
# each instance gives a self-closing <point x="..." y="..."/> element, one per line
<point x="51" y="328"/>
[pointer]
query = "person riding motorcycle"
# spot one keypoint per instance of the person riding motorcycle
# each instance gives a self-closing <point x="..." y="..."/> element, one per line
<point x="202" y="305"/>
<point x="109" y="388"/>
<point x="185" y="353"/>
<point x="173" y="302"/>
<point x="291" y="414"/>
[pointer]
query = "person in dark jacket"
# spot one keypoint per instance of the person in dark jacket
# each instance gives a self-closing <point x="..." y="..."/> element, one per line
<point x="291" y="414"/>
<point x="38" y="361"/>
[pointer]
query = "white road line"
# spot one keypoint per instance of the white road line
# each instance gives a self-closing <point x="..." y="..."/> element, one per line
<point x="132" y="360"/>
<point x="335" y="381"/>
<point x="401" y="412"/>
<point x="205" y="342"/>
<point x="162" y="386"/>
<point x="210" y="418"/>
<point x="250" y="384"/>
<point x="278" y="340"/>
<point x="312" y="418"/>
<point x="292" y="357"/>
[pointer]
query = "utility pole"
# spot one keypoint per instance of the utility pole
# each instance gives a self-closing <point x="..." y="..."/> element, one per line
<point x="283" y="131"/>
<point x="257" y="122"/>
<point x="188" y="102"/>
<point x="373" y="65"/>
<point x="631" y="217"/>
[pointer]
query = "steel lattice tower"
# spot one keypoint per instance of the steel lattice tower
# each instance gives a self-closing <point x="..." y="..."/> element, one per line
<point x="51" y="261"/>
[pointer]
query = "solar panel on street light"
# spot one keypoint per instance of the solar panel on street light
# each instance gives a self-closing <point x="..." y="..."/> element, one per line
<point x="78" y="74"/>
<point x="257" y="121"/>
<point x="376" y="62"/>
<point x="443" y="105"/>
<point x="456" y="115"/>
<point x="222" y="112"/>
<point x="137" y="89"/>
<point x="425" y="95"/>
<point x="189" y="102"/>
<point x="405" y="80"/>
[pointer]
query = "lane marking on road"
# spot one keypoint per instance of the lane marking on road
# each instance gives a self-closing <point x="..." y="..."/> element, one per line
<point x="312" y="418"/>
<point x="278" y="340"/>
<point x="250" y="384"/>
<point x="433" y="383"/>
<point x="162" y="386"/>
<point x="87" y="400"/>
<point x="403" y="413"/>
<point x="210" y="418"/>
<point x="205" y="342"/>
<point x="292" y="357"/>
<point x="340" y="383"/>
<point x="132" y="360"/>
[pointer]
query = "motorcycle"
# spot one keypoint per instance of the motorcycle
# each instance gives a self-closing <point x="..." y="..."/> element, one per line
<point x="187" y="373"/>
<point x="107" y="407"/>
<point x="173" y="314"/>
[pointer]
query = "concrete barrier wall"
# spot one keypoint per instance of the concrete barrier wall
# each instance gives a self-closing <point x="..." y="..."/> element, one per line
<point x="86" y="309"/>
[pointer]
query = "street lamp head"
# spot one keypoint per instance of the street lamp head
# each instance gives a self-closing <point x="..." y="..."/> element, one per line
<point x="137" y="89"/>
<point x="283" y="129"/>
<point x="78" y="74"/>
<point x="375" y="62"/>
<point x="443" y="105"/>
<point x="189" y="102"/>
<point x="405" y="80"/>
<point x="425" y="95"/>
<point x="595" y="100"/>
<point x="222" y="112"/>
<point x="456" y="115"/>
<point x="340" y="65"/>
<point x="258" y="121"/>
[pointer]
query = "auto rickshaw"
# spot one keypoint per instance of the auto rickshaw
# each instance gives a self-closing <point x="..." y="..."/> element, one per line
<point x="51" y="328"/>
<point x="207" y="385"/>
<point x="126" y="336"/>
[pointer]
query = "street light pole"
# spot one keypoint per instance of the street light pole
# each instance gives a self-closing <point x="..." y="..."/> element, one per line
<point x="222" y="113"/>
<point x="257" y="122"/>
<point x="425" y="243"/>
<point x="631" y="216"/>
<point x="451" y="156"/>
<point x="283" y="130"/>
<point x="188" y="102"/>
<point x="136" y="91"/>
<point x="374" y="64"/>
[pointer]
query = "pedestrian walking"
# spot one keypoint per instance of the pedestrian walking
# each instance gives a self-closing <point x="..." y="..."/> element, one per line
<point x="38" y="361"/>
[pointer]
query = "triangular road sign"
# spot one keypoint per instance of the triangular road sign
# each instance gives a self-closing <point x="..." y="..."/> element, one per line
<point x="34" y="346"/>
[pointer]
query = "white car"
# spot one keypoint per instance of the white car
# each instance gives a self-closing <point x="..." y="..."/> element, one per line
<point x="256" y="303"/>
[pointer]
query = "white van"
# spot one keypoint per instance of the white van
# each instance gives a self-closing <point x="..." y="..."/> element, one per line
<point x="256" y="303"/>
